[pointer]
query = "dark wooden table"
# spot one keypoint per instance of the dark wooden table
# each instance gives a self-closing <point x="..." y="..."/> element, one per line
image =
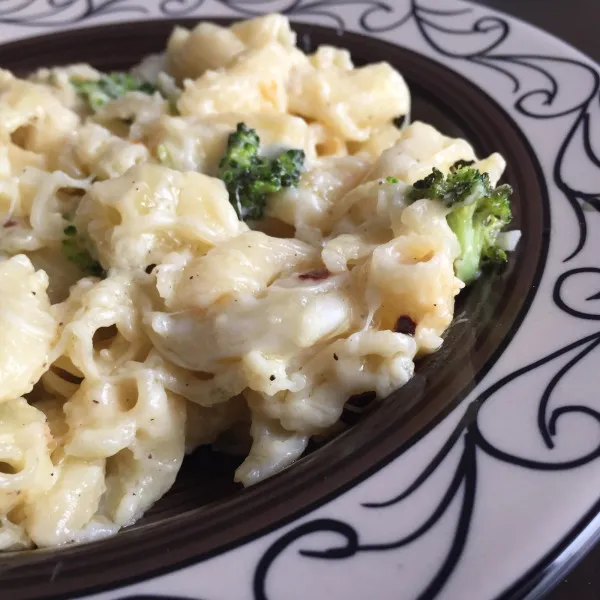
<point x="577" y="22"/>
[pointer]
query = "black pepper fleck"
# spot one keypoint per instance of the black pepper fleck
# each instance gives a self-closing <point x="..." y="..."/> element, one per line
<point x="272" y="378"/>
<point x="150" y="268"/>
<point x="335" y="357"/>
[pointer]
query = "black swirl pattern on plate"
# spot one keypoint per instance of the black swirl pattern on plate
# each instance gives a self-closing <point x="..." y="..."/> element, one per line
<point x="539" y="95"/>
<point x="51" y="13"/>
<point x="587" y="307"/>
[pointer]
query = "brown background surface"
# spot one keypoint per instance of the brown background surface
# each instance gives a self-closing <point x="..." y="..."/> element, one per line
<point x="577" y="22"/>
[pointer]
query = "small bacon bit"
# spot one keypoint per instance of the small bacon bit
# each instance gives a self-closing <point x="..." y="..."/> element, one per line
<point x="315" y="275"/>
<point x="9" y="223"/>
<point x="405" y="325"/>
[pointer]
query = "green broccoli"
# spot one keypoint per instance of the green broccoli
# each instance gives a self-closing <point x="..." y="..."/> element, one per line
<point x="74" y="251"/>
<point x="249" y="178"/>
<point x="478" y="212"/>
<point x="109" y="87"/>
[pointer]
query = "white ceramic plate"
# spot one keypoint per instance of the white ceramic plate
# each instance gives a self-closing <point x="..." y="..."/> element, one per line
<point x="500" y="496"/>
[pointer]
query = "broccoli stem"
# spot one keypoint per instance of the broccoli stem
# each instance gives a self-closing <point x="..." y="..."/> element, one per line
<point x="460" y="220"/>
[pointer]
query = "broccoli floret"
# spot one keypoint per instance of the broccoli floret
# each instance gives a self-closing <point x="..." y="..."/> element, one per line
<point x="478" y="212"/>
<point x="74" y="251"/>
<point x="462" y="183"/>
<point x="250" y="178"/>
<point x="288" y="166"/>
<point x="109" y="87"/>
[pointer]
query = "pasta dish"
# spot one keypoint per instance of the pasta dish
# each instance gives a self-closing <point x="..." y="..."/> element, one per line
<point x="221" y="246"/>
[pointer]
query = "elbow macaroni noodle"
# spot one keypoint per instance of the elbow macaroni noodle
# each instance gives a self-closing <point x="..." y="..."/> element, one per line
<point x="202" y="326"/>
